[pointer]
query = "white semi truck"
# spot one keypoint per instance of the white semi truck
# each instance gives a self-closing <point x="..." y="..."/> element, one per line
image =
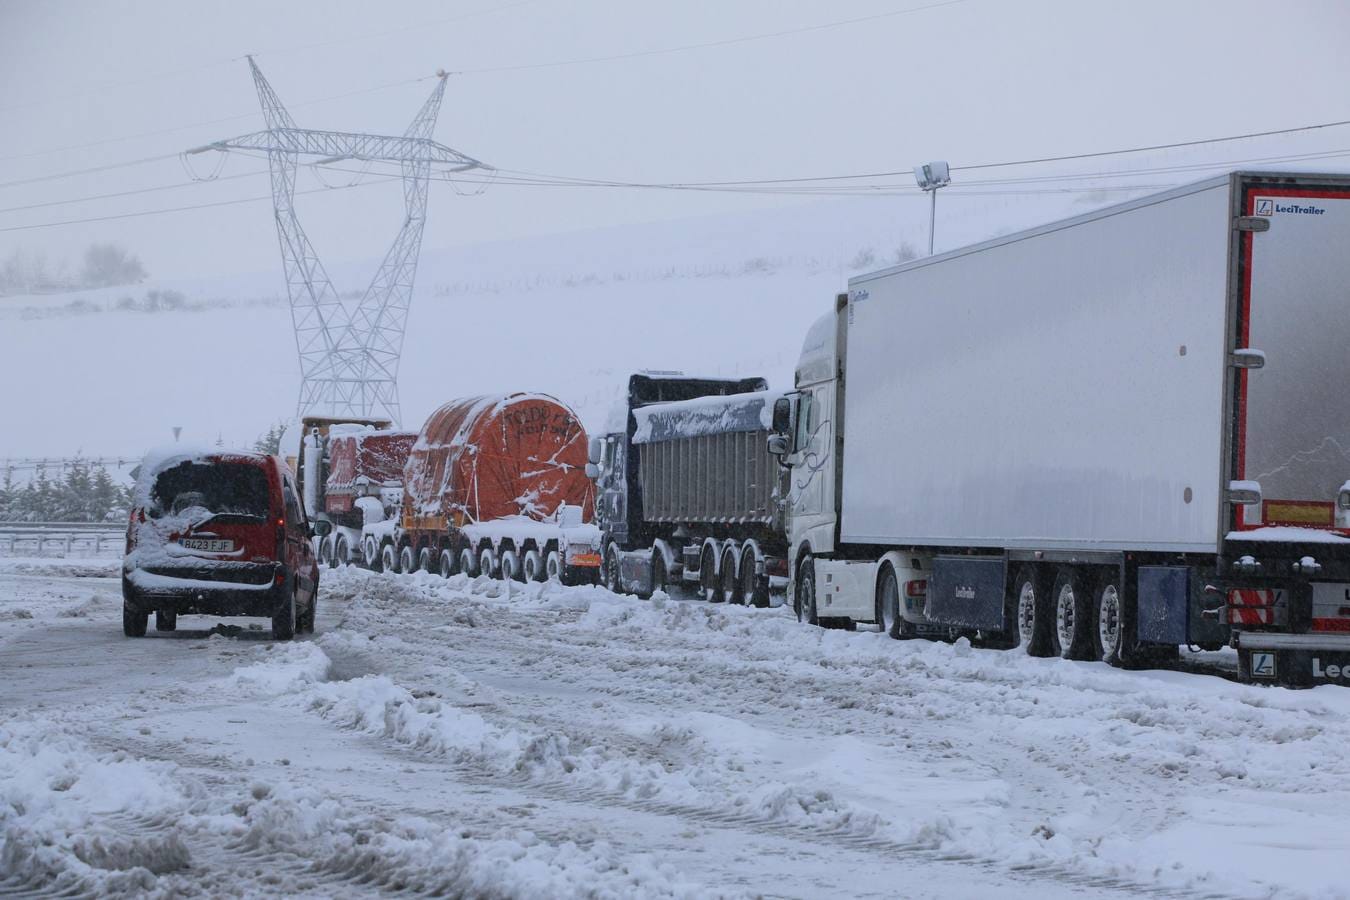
<point x="1100" y="438"/>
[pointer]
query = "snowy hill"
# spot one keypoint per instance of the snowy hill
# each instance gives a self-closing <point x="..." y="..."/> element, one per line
<point x="111" y="371"/>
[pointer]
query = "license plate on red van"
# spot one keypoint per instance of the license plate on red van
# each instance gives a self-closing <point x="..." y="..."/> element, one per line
<point x="209" y="545"/>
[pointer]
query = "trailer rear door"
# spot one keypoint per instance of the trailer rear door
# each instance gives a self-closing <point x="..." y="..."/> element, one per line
<point x="1292" y="428"/>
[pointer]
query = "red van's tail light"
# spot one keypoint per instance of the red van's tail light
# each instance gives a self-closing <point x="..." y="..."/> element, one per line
<point x="917" y="588"/>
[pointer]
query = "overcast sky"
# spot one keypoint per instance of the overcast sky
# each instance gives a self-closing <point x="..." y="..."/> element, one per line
<point x="973" y="82"/>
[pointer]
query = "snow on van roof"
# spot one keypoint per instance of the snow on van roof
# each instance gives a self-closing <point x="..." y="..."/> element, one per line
<point x="705" y="415"/>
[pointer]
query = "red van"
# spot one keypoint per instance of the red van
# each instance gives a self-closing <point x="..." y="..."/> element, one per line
<point x="220" y="533"/>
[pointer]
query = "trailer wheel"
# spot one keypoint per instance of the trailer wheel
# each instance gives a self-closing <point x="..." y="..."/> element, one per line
<point x="447" y="564"/>
<point x="533" y="566"/>
<point x="731" y="585"/>
<point x="1115" y="630"/>
<point x="553" y="567"/>
<point x="424" y="559"/>
<point x="1028" y="613"/>
<point x="487" y="563"/>
<point x="1071" y="631"/>
<point x="407" y="563"/>
<point x="750" y="587"/>
<point x="707" y="575"/>
<point x="388" y="559"/>
<point x="511" y="565"/>
<point x="805" y="601"/>
<point x="610" y="573"/>
<point x="468" y="563"/>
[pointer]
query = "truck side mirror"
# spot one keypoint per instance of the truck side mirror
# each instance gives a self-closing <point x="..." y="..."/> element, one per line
<point x="782" y="417"/>
<point x="595" y="451"/>
<point x="592" y="471"/>
<point x="778" y="445"/>
<point x="321" y="527"/>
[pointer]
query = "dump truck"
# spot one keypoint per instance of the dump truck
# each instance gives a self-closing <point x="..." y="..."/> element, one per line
<point x="1101" y="438"/>
<point x="497" y="486"/>
<point x="688" y="492"/>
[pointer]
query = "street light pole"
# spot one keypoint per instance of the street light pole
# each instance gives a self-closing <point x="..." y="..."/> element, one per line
<point x="930" y="177"/>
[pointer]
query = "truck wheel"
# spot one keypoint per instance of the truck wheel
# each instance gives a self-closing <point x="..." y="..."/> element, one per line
<point x="1071" y="631"/>
<point x="342" y="554"/>
<point x="888" y="603"/>
<point x="468" y="563"/>
<point x="370" y="551"/>
<point x="407" y="563"/>
<point x="660" y="580"/>
<point x="731" y="585"/>
<point x="750" y="589"/>
<point x="166" y="620"/>
<point x="424" y="559"/>
<point x="388" y="559"/>
<point x="553" y="567"/>
<point x="707" y="575"/>
<point x="326" y="551"/>
<point x="610" y="574"/>
<point x="532" y="567"/>
<point x="487" y="563"/>
<point x="806" y="593"/>
<point x="1028" y="614"/>
<point x="133" y="622"/>
<point x="1115" y="629"/>
<point x="446" y="564"/>
<point x="283" y="623"/>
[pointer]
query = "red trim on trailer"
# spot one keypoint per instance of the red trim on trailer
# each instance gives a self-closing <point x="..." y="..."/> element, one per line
<point x="1331" y="624"/>
<point x="1249" y="209"/>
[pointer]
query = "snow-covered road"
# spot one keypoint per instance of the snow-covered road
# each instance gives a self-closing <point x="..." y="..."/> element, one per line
<point x="444" y="737"/>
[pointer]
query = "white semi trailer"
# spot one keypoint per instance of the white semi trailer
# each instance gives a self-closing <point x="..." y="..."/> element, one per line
<point x="1100" y="438"/>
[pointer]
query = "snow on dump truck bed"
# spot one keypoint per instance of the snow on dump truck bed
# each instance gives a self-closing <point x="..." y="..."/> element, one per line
<point x="705" y="415"/>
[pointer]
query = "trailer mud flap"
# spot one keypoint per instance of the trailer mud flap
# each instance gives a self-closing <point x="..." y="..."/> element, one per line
<point x="967" y="592"/>
<point x="1164" y="604"/>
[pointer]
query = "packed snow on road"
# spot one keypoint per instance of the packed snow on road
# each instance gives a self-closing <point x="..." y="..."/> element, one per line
<point x="472" y="738"/>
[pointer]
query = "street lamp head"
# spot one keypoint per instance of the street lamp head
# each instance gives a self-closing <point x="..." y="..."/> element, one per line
<point x="932" y="176"/>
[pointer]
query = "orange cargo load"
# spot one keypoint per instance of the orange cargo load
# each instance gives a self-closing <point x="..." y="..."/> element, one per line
<point x="485" y="458"/>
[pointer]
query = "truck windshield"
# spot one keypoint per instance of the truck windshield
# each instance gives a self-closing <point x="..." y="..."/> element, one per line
<point x="219" y="489"/>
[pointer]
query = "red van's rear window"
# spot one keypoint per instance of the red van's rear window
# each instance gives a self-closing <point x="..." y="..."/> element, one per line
<point x="222" y="488"/>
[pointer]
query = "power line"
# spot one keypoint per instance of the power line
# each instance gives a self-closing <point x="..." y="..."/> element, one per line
<point x="175" y="209"/>
<point x="132" y="193"/>
<point x="996" y="165"/>
<point x="744" y="39"/>
<point x="787" y="187"/>
<point x="89" y="171"/>
<point x="521" y="67"/>
<point x="250" y="115"/>
<point x="200" y="67"/>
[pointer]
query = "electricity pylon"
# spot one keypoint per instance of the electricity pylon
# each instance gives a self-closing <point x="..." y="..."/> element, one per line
<point x="348" y="359"/>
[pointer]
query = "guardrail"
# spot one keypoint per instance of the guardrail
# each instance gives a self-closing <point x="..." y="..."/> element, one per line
<point x="61" y="538"/>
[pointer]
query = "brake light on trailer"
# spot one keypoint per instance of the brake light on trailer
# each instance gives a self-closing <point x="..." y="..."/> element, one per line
<point x="917" y="588"/>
